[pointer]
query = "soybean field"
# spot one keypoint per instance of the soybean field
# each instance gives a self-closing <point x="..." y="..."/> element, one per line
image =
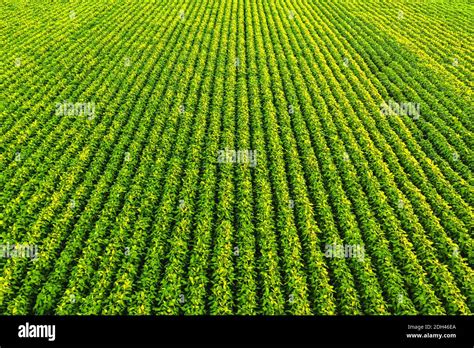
<point x="246" y="157"/>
